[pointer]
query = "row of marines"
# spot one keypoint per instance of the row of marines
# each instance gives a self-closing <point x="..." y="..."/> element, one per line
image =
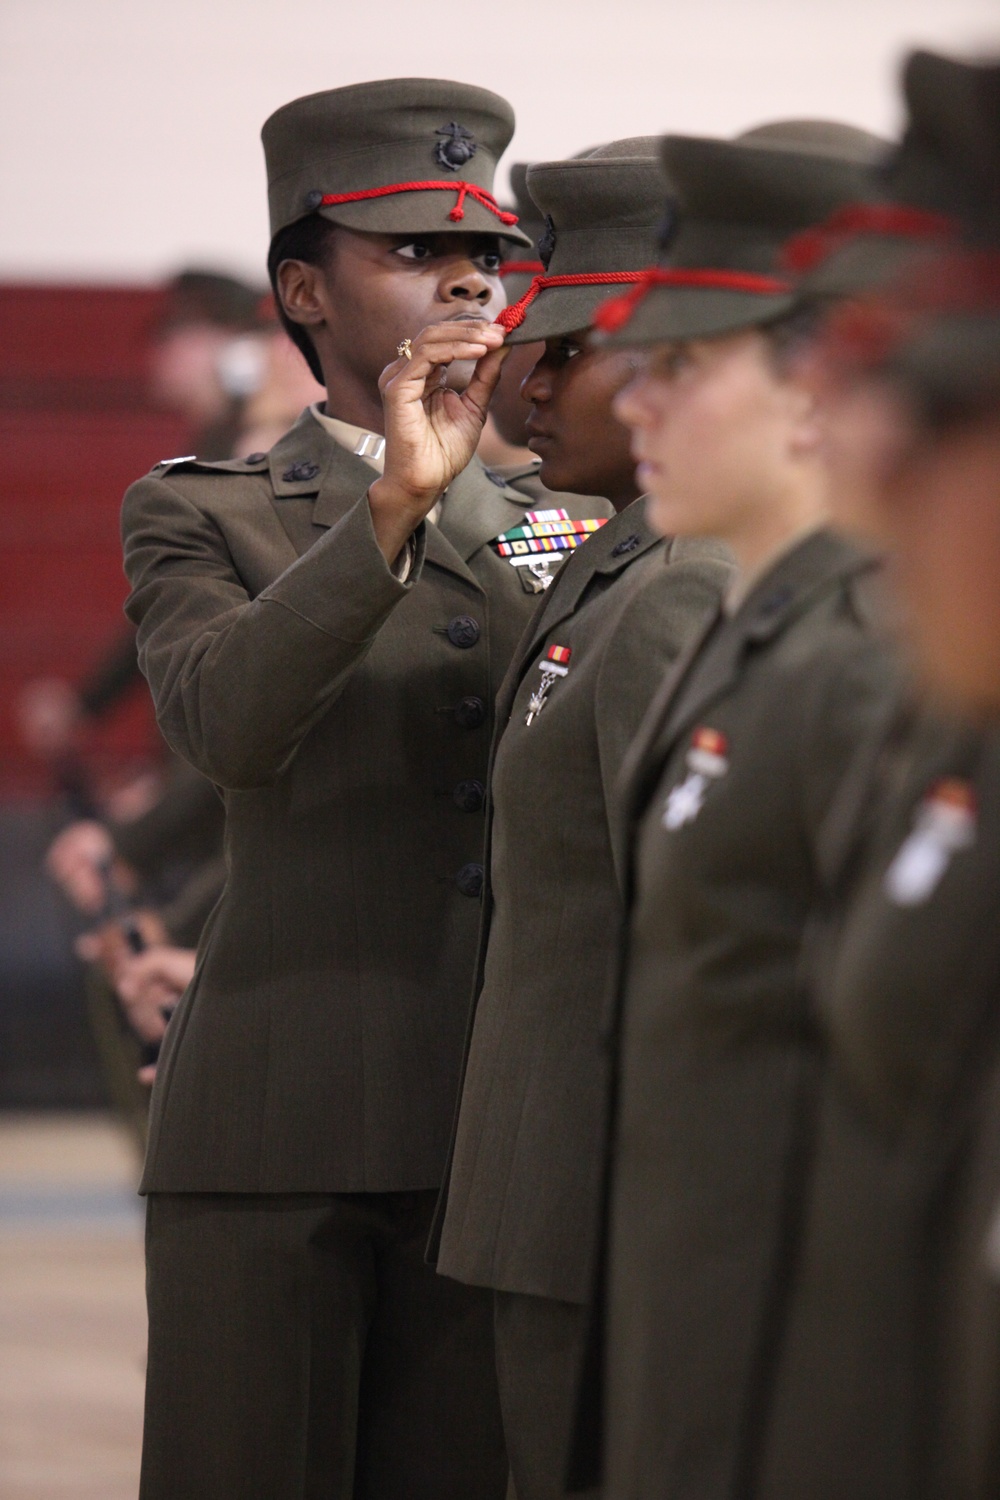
<point x="700" y="1200"/>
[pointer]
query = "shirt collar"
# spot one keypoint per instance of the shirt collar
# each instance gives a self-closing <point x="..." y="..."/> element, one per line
<point x="367" y="445"/>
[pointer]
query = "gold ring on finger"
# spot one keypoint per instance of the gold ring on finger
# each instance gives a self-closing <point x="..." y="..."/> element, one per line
<point x="403" y="350"/>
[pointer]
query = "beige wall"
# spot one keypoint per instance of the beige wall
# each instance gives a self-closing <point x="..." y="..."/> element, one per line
<point x="129" y="128"/>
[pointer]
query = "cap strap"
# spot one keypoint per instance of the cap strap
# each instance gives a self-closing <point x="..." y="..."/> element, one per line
<point x="512" y="317"/>
<point x="462" y="189"/>
<point x="521" y="268"/>
<point x="615" y="314"/>
<point x="805" y="251"/>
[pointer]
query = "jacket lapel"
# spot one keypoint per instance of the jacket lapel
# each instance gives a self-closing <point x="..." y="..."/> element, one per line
<point x="596" y="556"/>
<point x="815" y="566"/>
<point x="314" y="481"/>
<point x="714" y="659"/>
<point x="646" y="753"/>
<point x="475" y="510"/>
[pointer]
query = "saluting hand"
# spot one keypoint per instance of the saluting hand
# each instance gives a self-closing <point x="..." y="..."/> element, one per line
<point x="431" y="432"/>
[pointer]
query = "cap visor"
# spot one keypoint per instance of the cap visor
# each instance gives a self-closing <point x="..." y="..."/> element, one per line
<point x="421" y="213"/>
<point x="667" y="313"/>
<point x="558" y="310"/>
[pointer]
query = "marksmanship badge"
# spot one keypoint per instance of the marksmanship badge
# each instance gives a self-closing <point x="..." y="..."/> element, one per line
<point x="706" y="762"/>
<point x="553" y="665"/>
<point x="945" y="822"/>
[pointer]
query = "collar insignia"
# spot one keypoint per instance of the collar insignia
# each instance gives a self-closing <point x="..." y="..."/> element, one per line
<point x="299" y="473"/>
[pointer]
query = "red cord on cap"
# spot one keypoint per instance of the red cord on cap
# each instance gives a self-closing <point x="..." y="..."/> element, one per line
<point x="805" y="251"/>
<point x="868" y="330"/>
<point x="512" y="317"/>
<point x="863" y="334"/>
<point x="615" y="314"/>
<point x="462" y="189"/>
<point x="521" y="268"/>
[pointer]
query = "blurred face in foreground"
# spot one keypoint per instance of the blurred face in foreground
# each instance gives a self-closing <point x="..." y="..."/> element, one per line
<point x="931" y="496"/>
<point x="728" y="444"/>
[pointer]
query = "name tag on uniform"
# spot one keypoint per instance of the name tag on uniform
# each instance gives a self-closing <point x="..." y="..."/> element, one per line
<point x="945" y="822"/>
<point x="707" y="761"/>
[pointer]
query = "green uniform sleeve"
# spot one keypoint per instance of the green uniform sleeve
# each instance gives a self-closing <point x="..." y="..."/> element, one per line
<point x="238" y="681"/>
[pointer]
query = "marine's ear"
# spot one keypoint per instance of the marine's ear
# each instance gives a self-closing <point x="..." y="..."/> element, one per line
<point x="301" y="288"/>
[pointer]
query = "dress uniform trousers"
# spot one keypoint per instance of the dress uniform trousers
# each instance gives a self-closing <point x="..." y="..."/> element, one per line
<point x="349" y="1370"/>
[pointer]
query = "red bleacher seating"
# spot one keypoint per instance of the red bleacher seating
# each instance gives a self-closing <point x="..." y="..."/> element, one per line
<point x="75" y="430"/>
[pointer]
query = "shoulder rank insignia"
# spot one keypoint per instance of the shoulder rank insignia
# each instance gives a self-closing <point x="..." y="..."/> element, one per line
<point x="167" y="463"/>
<point x="944" y="823"/>
<point x="706" y="762"/>
<point x="538" y="543"/>
<point x="553" y="665"/>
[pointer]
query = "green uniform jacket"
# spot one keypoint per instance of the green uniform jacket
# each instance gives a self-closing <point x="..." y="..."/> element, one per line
<point x="347" y="716"/>
<point x="525" y="1177"/>
<point x="892" y="1332"/>
<point x="173" y="842"/>
<point x="728" y="788"/>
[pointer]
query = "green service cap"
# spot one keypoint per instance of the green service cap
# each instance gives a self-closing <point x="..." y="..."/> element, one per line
<point x="951" y="361"/>
<point x="949" y="159"/>
<point x="831" y="138"/>
<point x="398" y="156"/>
<point x="520" y="265"/>
<point x="602" y="212"/>
<point x="737" y="204"/>
<point x="942" y="179"/>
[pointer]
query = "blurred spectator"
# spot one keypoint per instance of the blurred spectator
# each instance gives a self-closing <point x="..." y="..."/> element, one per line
<point x="284" y="388"/>
<point x="209" y="351"/>
<point x="207" y="356"/>
<point x="149" y="986"/>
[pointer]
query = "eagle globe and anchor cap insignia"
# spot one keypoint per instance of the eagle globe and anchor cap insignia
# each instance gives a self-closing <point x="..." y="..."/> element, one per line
<point x="456" y="147"/>
<point x="944" y="823"/>
<point x="546" y="245"/>
<point x="707" y="761"/>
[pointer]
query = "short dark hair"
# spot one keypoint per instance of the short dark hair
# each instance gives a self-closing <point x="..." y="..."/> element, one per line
<point x="310" y="240"/>
<point x="788" y="333"/>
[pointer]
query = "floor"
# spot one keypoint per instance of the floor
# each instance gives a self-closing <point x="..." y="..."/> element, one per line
<point x="72" y="1316"/>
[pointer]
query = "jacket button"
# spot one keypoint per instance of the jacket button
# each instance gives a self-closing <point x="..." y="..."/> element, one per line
<point x="255" y="458"/>
<point x="468" y="796"/>
<point x="470" y="880"/>
<point x="463" y="631"/>
<point x="470" y="713"/>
